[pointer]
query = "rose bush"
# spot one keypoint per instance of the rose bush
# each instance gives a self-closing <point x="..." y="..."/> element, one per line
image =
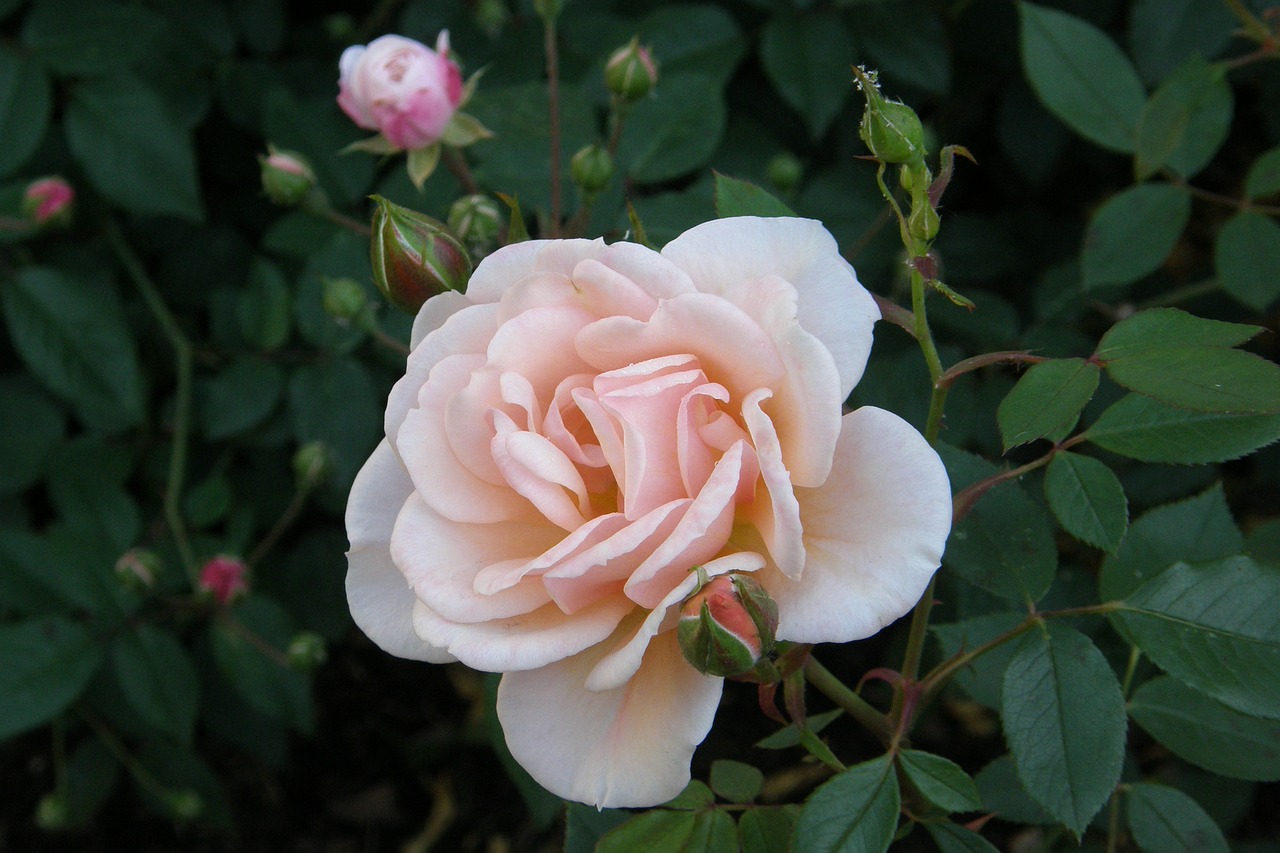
<point x="400" y="87"/>
<point x="587" y="424"/>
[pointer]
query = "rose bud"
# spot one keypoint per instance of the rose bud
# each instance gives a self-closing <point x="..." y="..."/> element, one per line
<point x="892" y="130"/>
<point x="286" y="176"/>
<point x="785" y="171"/>
<point x="400" y="87"/>
<point x="477" y="220"/>
<point x="49" y="202"/>
<point x="311" y="464"/>
<point x="307" y="651"/>
<point x="630" y="73"/>
<point x="223" y="578"/>
<point x="343" y="299"/>
<point x="591" y="169"/>
<point x="137" y="569"/>
<point x="414" y="257"/>
<point x="727" y="626"/>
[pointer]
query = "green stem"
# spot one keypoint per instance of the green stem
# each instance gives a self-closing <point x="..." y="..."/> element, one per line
<point x="117" y="748"/>
<point x="286" y="519"/>
<point x="1135" y="655"/>
<point x="851" y="703"/>
<point x="1256" y="29"/>
<point x="456" y="163"/>
<point x="553" y="105"/>
<point x="182" y="395"/>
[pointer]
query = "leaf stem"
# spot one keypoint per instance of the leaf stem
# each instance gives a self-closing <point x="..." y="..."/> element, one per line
<point x="850" y="702"/>
<point x="182" y="395"/>
<point x="283" y="523"/>
<point x="456" y="163"/>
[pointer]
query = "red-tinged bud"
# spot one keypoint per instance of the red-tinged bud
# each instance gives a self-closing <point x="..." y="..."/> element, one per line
<point x="630" y="73"/>
<point x="287" y="177"/>
<point x="414" y="257"/>
<point x="49" y="202"/>
<point x="591" y="169"/>
<point x="892" y="130"/>
<point x="138" y="568"/>
<point x="223" y="578"/>
<point x="727" y="626"/>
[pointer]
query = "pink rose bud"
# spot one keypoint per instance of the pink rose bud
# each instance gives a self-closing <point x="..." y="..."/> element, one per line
<point x="400" y="87"/>
<point x="727" y="626"/>
<point x="630" y="73"/>
<point x="286" y="176"/>
<point x="223" y="577"/>
<point x="414" y="257"/>
<point x="49" y="201"/>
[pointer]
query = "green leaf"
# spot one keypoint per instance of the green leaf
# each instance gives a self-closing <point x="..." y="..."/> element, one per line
<point x="941" y="781"/>
<point x="956" y="839"/>
<point x="132" y="149"/>
<point x="1206" y="732"/>
<point x="982" y="678"/>
<point x="90" y="36"/>
<point x="1163" y="33"/>
<point x="1146" y="429"/>
<point x="1215" y="627"/>
<point x="1081" y="76"/>
<point x="47" y="664"/>
<point x="1047" y="400"/>
<point x="1005" y="545"/>
<point x="767" y="829"/>
<point x="1247" y="257"/>
<point x="92" y="505"/>
<point x="1165" y="820"/>
<point x="693" y="39"/>
<point x="584" y="826"/>
<point x="918" y="54"/>
<point x="1185" y="361"/>
<point x="735" y="781"/>
<point x="239" y="397"/>
<point x="790" y="736"/>
<point x="1064" y="721"/>
<point x="248" y="647"/>
<point x="159" y="680"/>
<point x="807" y="58"/>
<point x="25" y="104"/>
<point x="855" y="812"/>
<point x="1196" y="530"/>
<point x="660" y="830"/>
<point x="1004" y="794"/>
<point x="1185" y="121"/>
<point x="31" y="426"/>
<point x="264" y="306"/>
<point x="1131" y="235"/>
<point x="742" y="198"/>
<point x="695" y="796"/>
<point x="71" y="334"/>
<point x="335" y="402"/>
<point x="1087" y="498"/>
<point x="1263" y="178"/>
<point x="668" y="135"/>
<point x="91" y="775"/>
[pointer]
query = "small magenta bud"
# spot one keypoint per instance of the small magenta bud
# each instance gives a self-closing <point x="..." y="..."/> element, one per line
<point x="784" y="172"/>
<point x="307" y="651"/>
<point x="138" y="568"/>
<point x="591" y="169"/>
<point x="630" y="72"/>
<point x="311" y="464"/>
<point x="49" y="202"/>
<point x="477" y="220"/>
<point x="892" y="130"/>
<point x="286" y="176"/>
<point x="223" y="578"/>
<point x="343" y="299"/>
<point x="727" y="626"/>
<point x="414" y="257"/>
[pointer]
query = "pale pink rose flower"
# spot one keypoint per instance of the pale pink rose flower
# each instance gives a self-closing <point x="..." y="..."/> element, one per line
<point x="400" y="87"/>
<point x="587" y="424"/>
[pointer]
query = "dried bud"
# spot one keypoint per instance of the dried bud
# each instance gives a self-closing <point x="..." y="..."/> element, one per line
<point x="311" y="464"/>
<point x="49" y="202"/>
<point x="892" y="130"/>
<point x="728" y="625"/>
<point x="138" y="568"/>
<point x="784" y="172"/>
<point x="630" y="73"/>
<point x="223" y="578"/>
<point x="343" y="299"/>
<point x="477" y="220"/>
<point x="307" y="651"/>
<point x="286" y="176"/>
<point x="414" y="256"/>
<point x="591" y="169"/>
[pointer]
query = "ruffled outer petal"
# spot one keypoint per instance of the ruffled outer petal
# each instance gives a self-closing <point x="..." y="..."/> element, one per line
<point x="873" y="533"/>
<point x="722" y="254"/>
<point x="630" y="746"/>
<point x="379" y="595"/>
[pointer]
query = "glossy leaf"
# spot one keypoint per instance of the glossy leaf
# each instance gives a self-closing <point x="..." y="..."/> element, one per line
<point x="1215" y="627"/>
<point x="48" y="663"/>
<point x="90" y="36"/>
<point x="1163" y="33"/>
<point x="25" y="104"/>
<point x="670" y="137"/>
<point x="1064" y="721"/>
<point x="951" y="838"/>
<point x="1165" y="820"/>
<point x="743" y="198"/>
<point x="1185" y="121"/>
<point x="158" y="679"/>
<point x="1146" y="429"/>
<point x="31" y="426"/>
<point x="1206" y="732"/>
<point x="239" y="397"/>
<point x="855" y="812"/>
<point x="1263" y="178"/>
<point x="1088" y="500"/>
<point x="1004" y="794"/>
<point x="1247" y="257"/>
<point x="767" y="829"/>
<point x="735" y="781"/>
<point x="807" y="58"/>
<point x="1131" y="235"/>
<point x="941" y="781"/>
<point x="1047" y="400"/>
<point x="1005" y="545"/>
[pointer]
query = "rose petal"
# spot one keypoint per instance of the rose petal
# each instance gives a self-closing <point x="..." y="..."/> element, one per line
<point x="722" y="254"/>
<point x="501" y="269"/>
<point x="378" y="593"/>
<point x="776" y="513"/>
<point x="626" y="747"/>
<point x="536" y="469"/>
<point x="874" y="533"/>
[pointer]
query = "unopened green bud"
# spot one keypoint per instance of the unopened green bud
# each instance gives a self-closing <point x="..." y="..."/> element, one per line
<point x="414" y="257"/>
<point x="491" y="16"/>
<point x="311" y="464"/>
<point x="343" y="299"/>
<point x="138" y="568"/>
<point x="891" y="129"/>
<point x="727" y="626"/>
<point x="922" y="222"/>
<point x="548" y="10"/>
<point x="286" y="176"/>
<point x="307" y="651"/>
<point x="53" y="812"/>
<point x="785" y="171"/>
<point x="591" y="169"/>
<point x="630" y="72"/>
<point x="184" y="804"/>
<point x="477" y="220"/>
